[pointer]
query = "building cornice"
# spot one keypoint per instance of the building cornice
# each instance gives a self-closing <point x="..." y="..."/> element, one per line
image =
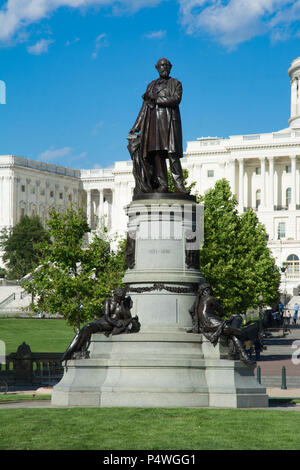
<point x="97" y="180"/>
<point x="13" y="162"/>
<point x="263" y="146"/>
<point x="233" y="148"/>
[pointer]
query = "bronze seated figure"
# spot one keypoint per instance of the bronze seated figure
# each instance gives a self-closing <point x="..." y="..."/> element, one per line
<point x="117" y="319"/>
<point x="208" y="319"/>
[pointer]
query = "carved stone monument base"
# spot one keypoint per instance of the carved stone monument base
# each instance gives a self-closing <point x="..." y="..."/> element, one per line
<point x="158" y="369"/>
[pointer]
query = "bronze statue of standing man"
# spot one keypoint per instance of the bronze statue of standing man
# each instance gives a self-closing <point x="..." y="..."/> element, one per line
<point x="157" y="135"/>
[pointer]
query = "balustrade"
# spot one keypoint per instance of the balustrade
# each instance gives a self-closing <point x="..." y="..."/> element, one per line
<point x="25" y="367"/>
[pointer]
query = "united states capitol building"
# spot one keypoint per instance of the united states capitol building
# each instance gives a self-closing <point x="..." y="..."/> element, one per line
<point x="262" y="169"/>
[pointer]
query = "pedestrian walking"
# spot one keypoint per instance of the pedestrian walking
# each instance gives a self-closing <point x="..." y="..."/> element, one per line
<point x="275" y="318"/>
<point x="296" y="309"/>
<point x="287" y="317"/>
<point x="280" y="308"/>
<point x="295" y="316"/>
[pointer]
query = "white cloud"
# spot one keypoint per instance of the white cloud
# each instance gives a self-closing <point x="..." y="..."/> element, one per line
<point x="156" y="34"/>
<point x="18" y="14"/>
<point x="97" y="128"/>
<point x="99" y="43"/>
<point x="41" y="47"/>
<point x="69" y="43"/>
<point x="52" y="154"/>
<point x="231" y="22"/>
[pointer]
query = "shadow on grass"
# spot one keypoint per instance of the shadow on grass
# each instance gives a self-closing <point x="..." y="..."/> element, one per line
<point x="273" y="402"/>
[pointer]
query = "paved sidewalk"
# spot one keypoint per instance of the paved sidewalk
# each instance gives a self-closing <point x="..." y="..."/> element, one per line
<point x="279" y="353"/>
<point x="47" y="404"/>
<point x="27" y="404"/>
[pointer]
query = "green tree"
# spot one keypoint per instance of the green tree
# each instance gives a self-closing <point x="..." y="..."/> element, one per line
<point x="266" y="275"/>
<point x="74" y="280"/>
<point x="3" y="273"/>
<point x="185" y="174"/>
<point x="235" y="258"/>
<point x="20" y="246"/>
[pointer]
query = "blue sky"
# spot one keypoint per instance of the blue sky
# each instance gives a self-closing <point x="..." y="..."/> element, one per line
<point x="75" y="71"/>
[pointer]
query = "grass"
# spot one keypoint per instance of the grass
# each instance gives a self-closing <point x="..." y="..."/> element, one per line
<point x="148" y="429"/>
<point x="42" y="335"/>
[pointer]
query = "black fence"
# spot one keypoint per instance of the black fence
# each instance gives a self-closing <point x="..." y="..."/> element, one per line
<point x="27" y="368"/>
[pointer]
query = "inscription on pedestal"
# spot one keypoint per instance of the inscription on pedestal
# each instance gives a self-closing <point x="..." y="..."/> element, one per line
<point x="159" y="254"/>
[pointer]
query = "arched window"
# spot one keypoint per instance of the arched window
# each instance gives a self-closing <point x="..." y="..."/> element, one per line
<point x="288" y="196"/>
<point x="292" y="265"/>
<point x="257" y="198"/>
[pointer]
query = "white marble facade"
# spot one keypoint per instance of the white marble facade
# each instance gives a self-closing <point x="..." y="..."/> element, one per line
<point x="263" y="171"/>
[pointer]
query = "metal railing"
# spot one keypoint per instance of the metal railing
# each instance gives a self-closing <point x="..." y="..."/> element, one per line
<point x="8" y="299"/>
<point x="25" y="367"/>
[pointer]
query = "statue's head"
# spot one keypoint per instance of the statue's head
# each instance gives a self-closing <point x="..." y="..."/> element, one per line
<point x="119" y="293"/>
<point x="205" y="289"/>
<point x="163" y="66"/>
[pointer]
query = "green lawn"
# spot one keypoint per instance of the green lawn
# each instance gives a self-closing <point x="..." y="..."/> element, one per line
<point x="152" y="429"/>
<point x="42" y="335"/>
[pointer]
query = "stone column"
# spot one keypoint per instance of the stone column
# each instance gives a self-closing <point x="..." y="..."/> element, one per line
<point x="293" y="186"/>
<point x="11" y="183"/>
<point x="47" y="185"/>
<point x="27" y="193"/>
<point x="37" y="197"/>
<point x="100" y="207"/>
<point x="263" y="181"/>
<point x="56" y="196"/>
<point x="199" y="185"/>
<point x="232" y="175"/>
<point x="89" y="206"/>
<point x="294" y="87"/>
<point x="16" y="199"/>
<point x="241" y="185"/>
<point x="271" y="182"/>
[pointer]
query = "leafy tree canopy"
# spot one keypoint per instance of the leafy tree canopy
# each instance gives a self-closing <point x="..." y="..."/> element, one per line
<point x="235" y="258"/>
<point x="20" y="246"/>
<point x="74" y="280"/>
<point x="185" y="174"/>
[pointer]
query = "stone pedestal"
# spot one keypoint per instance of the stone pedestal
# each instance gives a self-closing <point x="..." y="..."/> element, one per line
<point x="144" y="370"/>
<point x="162" y="365"/>
<point x="167" y="234"/>
<point x="158" y="369"/>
